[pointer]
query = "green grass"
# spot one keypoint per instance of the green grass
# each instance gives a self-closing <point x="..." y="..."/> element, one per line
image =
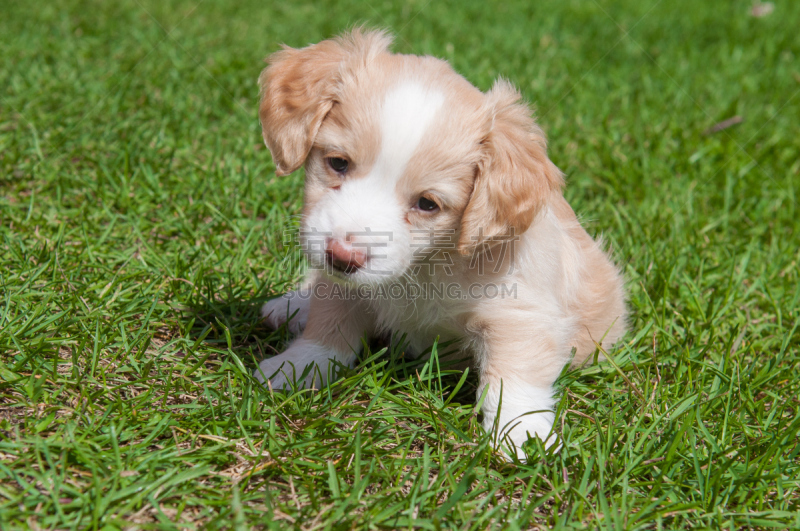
<point x="141" y="224"/>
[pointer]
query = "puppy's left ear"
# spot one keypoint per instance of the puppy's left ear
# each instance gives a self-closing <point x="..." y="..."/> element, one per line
<point x="514" y="179"/>
<point x="299" y="87"/>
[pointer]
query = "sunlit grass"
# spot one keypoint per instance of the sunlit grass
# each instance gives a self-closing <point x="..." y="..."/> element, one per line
<point x="142" y="224"/>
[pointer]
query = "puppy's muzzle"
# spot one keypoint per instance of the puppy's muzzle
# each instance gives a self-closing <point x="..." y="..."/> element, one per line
<point x="343" y="257"/>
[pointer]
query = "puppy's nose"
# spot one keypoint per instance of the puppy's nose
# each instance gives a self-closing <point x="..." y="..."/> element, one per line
<point x="344" y="256"/>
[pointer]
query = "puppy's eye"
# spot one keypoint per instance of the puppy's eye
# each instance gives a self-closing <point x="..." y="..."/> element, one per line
<point x="338" y="164"/>
<point x="426" y="205"/>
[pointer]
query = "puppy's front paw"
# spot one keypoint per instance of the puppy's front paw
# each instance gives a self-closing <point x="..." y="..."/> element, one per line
<point x="291" y="307"/>
<point x="305" y="364"/>
<point x="524" y="412"/>
<point x="276" y="370"/>
<point x="517" y="432"/>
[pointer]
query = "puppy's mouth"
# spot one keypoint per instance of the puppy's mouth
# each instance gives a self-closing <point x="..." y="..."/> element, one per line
<point x="343" y="269"/>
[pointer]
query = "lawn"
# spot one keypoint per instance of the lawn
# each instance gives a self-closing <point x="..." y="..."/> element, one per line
<point x="142" y="225"/>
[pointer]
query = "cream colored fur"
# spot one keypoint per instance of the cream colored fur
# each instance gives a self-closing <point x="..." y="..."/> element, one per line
<point x="409" y="127"/>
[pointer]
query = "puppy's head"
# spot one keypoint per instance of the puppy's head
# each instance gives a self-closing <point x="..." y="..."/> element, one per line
<point x="405" y="160"/>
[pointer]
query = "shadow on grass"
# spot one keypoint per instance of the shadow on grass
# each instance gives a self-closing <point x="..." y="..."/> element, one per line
<point x="232" y="322"/>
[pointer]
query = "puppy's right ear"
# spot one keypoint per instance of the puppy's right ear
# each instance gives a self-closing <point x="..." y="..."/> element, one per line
<point x="299" y="87"/>
<point x="297" y="90"/>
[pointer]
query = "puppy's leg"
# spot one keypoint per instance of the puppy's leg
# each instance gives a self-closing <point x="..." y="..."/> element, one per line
<point x="305" y="364"/>
<point x="518" y="411"/>
<point x="518" y="369"/>
<point x="332" y="336"/>
<point x="292" y="307"/>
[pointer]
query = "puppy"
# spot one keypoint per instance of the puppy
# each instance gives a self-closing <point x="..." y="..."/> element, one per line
<point x="431" y="211"/>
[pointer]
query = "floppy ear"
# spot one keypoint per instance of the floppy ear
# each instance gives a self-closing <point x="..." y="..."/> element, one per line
<point x="299" y="87"/>
<point x="297" y="90"/>
<point x="514" y="177"/>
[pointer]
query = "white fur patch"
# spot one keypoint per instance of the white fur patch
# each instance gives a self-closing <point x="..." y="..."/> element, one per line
<point x="525" y="411"/>
<point x="286" y="369"/>
<point x="408" y="110"/>
<point x="291" y="307"/>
